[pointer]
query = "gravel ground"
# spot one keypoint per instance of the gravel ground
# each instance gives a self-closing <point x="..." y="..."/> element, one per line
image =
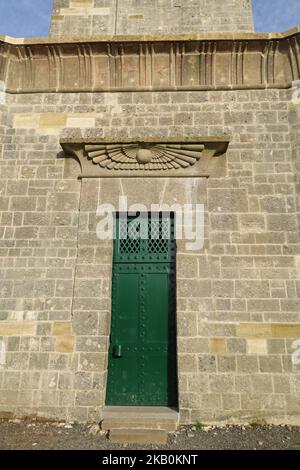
<point x="33" y="435"/>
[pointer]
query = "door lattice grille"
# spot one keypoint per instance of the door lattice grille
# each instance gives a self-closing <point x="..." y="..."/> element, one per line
<point x="146" y="236"/>
<point x="159" y="236"/>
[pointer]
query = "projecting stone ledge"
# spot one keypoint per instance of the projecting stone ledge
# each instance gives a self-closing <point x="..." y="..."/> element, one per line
<point x="150" y="63"/>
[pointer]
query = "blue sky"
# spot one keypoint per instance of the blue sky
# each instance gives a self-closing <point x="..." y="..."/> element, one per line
<point x="25" y="18"/>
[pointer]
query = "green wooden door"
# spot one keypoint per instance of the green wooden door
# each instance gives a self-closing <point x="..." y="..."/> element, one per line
<point x="142" y="355"/>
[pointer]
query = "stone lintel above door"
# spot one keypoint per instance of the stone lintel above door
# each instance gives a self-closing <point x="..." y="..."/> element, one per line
<point x="176" y="157"/>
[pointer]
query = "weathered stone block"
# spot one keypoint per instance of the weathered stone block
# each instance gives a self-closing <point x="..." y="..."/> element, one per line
<point x="211" y="401"/>
<point x="188" y="266"/>
<point x="281" y="384"/>
<point x="26" y="232"/>
<point x="224" y="222"/>
<point x="17" y="328"/>
<point x="61" y="328"/>
<point x="221" y="383"/>
<point x="217" y="346"/>
<point x="63" y="202"/>
<point x="223" y="288"/>
<point x="247" y="364"/>
<point x="254" y="330"/>
<point x="252" y="223"/>
<point x="257" y="346"/>
<point x="87" y="288"/>
<point x="23" y="203"/>
<point x="192" y="288"/>
<point x="281" y="223"/>
<point x="270" y="364"/>
<point x="273" y="204"/>
<point x="66" y="381"/>
<point x="91" y="361"/>
<point x="65" y="344"/>
<point x="85" y="323"/>
<point x="38" y="361"/>
<point x="286" y="330"/>
<point x="207" y="363"/>
<point x="231" y="401"/>
<point x="252" y="289"/>
<point x="88" y="398"/>
<point x="232" y="200"/>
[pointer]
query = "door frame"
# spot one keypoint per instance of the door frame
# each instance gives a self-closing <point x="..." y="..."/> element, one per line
<point x="173" y="260"/>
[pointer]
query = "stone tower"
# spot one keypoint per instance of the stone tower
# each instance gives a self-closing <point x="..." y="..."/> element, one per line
<point x="163" y="120"/>
<point x="126" y="17"/>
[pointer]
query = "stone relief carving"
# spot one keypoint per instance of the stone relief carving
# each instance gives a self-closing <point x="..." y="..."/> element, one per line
<point x="144" y="156"/>
<point x="150" y="157"/>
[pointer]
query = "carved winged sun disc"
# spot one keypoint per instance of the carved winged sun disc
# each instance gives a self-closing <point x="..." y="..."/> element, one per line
<point x="144" y="157"/>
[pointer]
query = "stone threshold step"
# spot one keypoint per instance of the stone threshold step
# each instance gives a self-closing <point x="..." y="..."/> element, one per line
<point x="138" y="436"/>
<point x="122" y="417"/>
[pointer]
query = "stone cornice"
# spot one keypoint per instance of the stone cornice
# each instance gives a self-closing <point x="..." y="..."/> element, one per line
<point x="173" y="157"/>
<point x="150" y="63"/>
<point x="146" y="38"/>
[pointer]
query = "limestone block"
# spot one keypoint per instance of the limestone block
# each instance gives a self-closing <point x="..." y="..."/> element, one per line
<point x="231" y="401"/>
<point x="282" y="384"/>
<point x="61" y="328"/>
<point x="192" y="288"/>
<point x="247" y="364"/>
<point x="211" y="401"/>
<point x="26" y="120"/>
<point x="187" y="266"/>
<point x="23" y="203"/>
<point x="17" y="328"/>
<point x="270" y="364"/>
<point x="187" y="363"/>
<point x="63" y="202"/>
<point x="217" y="346"/>
<point x="281" y="223"/>
<point x="232" y="200"/>
<point x="226" y="222"/>
<point x="65" y="343"/>
<point x="91" y="361"/>
<point x="226" y="363"/>
<point x="252" y="223"/>
<point x="38" y="360"/>
<point x="252" y="289"/>
<point x="254" y="330"/>
<point x="87" y="398"/>
<point x="221" y="383"/>
<point x="286" y="330"/>
<point x="223" y="288"/>
<point x="256" y="346"/>
<point x="49" y="120"/>
<point x="207" y="363"/>
<point x="85" y="323"/>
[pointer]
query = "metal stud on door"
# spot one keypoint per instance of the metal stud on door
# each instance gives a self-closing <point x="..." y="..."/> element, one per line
<point x="142" y="355"/>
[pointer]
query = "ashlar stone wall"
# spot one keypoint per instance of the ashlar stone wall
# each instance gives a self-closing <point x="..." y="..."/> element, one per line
<point x="238" y="298"/>
<point x="294" y="119"/>
<point x="96" y="17"/>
